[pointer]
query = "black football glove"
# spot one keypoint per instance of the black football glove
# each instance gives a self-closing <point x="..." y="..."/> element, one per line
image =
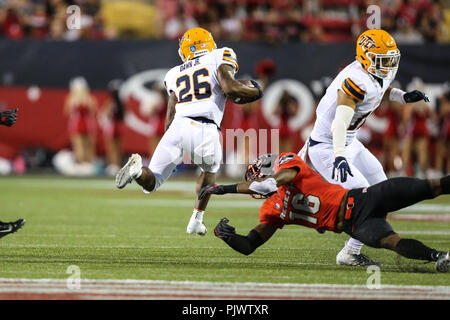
<point x="340" y="169"/>
<point x="8" y="117"/>
<point x="223" y="230"/>
<point x="212" y="189"/>
<point x="415" y="96"/>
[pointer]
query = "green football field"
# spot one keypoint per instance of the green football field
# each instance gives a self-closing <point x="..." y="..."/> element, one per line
<point x="126" y="234"/>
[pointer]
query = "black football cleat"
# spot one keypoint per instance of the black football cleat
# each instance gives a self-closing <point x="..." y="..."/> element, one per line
<point x="10" y="227"/>
<point x="443" y="262"/>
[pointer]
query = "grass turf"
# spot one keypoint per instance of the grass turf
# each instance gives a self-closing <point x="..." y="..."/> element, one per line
<point x="125" y="234"/>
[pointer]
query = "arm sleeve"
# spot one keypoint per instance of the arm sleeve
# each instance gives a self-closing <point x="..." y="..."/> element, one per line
<point x="245" y="245"/>
<point x="342" y="119"/>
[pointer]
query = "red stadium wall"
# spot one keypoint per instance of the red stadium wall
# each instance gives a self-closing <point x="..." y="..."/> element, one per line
<point x="42" y="123"/>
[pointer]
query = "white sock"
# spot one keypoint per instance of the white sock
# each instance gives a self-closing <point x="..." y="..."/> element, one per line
<point x="198" y="214"/>
<point x="354" y="246"/>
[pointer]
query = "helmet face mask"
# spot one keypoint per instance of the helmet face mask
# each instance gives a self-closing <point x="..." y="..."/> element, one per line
<point x="194" y="43"/>
<point x="384" y="66"/>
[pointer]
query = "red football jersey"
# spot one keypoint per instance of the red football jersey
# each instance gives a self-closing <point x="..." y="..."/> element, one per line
<point x="307" y="200"/>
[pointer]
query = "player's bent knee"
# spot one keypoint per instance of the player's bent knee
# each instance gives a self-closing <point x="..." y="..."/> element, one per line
<point x="372" y="231"/>
<point x="390" y="241"/>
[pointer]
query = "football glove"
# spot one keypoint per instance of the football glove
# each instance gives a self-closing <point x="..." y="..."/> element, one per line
<point x="415" y="96"/>
<point x="8" y="117"/>
<point x="340" y="169"/>
<point x="223" y="230"/>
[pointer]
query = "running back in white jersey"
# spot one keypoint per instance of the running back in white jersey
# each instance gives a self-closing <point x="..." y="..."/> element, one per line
<point x="196" y="85"/>
<point x="359" y="84"/>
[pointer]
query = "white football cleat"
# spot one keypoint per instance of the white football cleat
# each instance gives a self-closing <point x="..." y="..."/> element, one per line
<point x="346" y="258"/>
<point x="196" y="225"/>
<point x="443" y="263"/>
<point x="129" y="171"/>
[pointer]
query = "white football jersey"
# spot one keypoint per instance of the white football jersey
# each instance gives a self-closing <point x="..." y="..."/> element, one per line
<point x="196" y="85"/>
<point x="358" y="83"/>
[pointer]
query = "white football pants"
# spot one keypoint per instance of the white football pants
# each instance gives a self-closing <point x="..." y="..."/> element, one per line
<point x="365" y="167"/>
<point x="200" y="140"/>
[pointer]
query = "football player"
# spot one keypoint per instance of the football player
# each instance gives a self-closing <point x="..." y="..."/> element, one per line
<point x="333" y="149"/>
<point x="8" y="118"/>
<point x="299" y="195"/>
<point x="197" y="89"/>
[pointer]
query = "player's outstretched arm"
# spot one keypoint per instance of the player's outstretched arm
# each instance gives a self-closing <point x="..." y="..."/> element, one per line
<point x="8" y="117"/>
<point x="235" y="89"/>
<point x="264" y="187"/>
<point x="401" y="96"/>
<point x="170" y="114"/>
<point x="243" y="244"/>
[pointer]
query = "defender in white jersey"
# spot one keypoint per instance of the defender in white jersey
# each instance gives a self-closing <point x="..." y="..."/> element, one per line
<point x="333" y="149"/>
<point x="197" y="89"/>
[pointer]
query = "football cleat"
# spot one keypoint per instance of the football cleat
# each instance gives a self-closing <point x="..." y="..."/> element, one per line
<point x="351" y="259"/>
<point x="129" y="171"/>
<point x="443" y="262"/>
<point x="196" y="225"/>
<point x="10" y="227"/>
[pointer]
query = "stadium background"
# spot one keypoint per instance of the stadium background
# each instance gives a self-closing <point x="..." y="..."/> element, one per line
<point x="294" y="48"/>
<point x="128" y="246"/>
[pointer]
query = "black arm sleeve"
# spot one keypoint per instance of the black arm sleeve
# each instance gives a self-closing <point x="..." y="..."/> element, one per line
<point x="245" y="245"/>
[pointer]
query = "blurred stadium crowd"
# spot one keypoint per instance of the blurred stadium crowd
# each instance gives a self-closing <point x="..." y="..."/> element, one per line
<point x="410" y="21"/>
<point x="414" y="140"/>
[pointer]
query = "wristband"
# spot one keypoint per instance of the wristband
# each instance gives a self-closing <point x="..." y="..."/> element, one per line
<point x="397" y="95"/>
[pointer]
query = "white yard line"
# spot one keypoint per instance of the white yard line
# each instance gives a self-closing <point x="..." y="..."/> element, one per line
<point x="157" y="289"/>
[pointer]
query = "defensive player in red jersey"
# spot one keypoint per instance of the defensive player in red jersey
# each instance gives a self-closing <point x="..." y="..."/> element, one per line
<point x="8" y="118"/>
<point x="299" y="195"/>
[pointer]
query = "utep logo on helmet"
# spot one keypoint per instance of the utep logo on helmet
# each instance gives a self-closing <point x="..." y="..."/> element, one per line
<point x="367" y="42"/>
